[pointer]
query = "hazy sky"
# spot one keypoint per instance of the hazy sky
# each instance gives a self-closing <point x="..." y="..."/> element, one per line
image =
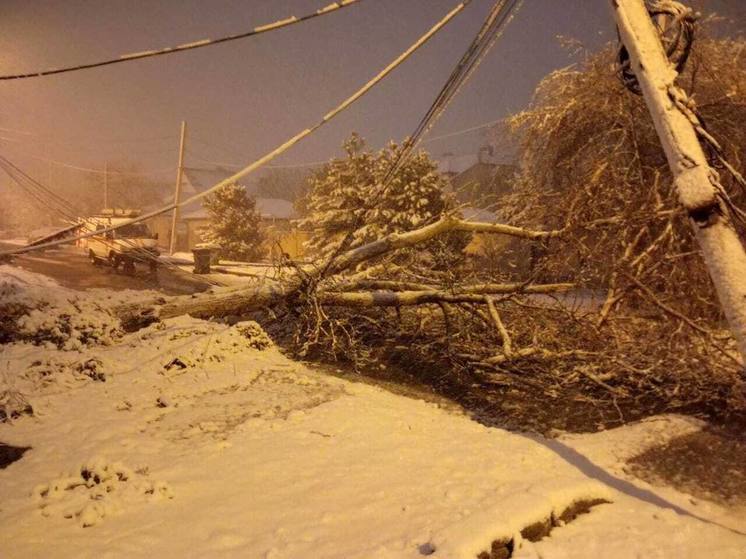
<point x="243" y="98"/>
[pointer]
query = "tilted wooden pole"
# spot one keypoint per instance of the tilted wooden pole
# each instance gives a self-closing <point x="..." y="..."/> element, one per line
<point x="106" y="184"/>
<point x="696" y="183"/>
<point x="177" y="191"/>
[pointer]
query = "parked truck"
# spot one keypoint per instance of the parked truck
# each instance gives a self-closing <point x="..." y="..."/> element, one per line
<point x="127" y="246"/>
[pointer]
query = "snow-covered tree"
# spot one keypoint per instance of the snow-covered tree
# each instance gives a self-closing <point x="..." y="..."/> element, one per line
<point x="234" y="223"/>
<point x="348" y="195"/>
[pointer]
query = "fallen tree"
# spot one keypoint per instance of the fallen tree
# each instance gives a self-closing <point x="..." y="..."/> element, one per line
<point x="319" y="281"/>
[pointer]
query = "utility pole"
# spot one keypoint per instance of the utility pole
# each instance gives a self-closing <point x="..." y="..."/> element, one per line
<point x="106" y="185"/>
<point x="177" y="190"/>
<point x="695" y="181"/>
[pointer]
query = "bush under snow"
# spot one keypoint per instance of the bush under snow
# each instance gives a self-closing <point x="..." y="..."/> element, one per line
<point x="36" y="309"/>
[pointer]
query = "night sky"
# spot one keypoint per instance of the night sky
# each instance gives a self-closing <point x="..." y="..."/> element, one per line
<point x="243" y="98"/>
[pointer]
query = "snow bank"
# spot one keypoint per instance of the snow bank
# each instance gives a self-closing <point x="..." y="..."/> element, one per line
<point x="35" y="308"/>
<point x="217" y="445"/>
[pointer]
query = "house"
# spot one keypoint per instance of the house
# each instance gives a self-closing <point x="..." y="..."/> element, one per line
<point x="277" y="216"/>
<point x="483" y="244"/>
<point x="478" y="182"/>
<point x="477" y="178"/>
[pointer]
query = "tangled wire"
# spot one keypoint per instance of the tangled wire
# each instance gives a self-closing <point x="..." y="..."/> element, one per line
<point x="675" y="23"/>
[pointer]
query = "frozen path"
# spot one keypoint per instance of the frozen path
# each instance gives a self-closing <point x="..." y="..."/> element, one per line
<point x="239" y="452"/>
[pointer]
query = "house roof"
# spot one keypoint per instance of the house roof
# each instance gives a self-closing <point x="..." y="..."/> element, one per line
<point x="199" y="179"/>
<point x="453" y="165"/>
<point x="268" y="208"/>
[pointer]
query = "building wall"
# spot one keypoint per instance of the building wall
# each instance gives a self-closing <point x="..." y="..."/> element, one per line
<point x="279" y="232"/>
<point x="161" y="224"/>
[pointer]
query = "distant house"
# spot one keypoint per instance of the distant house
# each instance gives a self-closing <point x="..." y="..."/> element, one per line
<point x="478" y="182"/>
<point x="277" y="216"/>
<point x="483" y="244"/>
<point x="477" y="179"/>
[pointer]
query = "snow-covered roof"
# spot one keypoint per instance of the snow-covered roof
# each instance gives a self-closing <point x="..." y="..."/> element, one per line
<point x="455" y="164"/>
<point x="275" y="208"/>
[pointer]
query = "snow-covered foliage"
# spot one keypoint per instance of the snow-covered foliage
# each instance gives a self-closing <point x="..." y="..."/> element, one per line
<point x="591" y="160"/>
<point x="347" y="195"/>
<point x="34" y="308"/>
<point x="234" y="223"/>
<point x="592" y="165"/>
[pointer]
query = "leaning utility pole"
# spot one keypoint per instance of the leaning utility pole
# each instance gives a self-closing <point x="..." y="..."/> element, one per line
<point x="696" y="183"/>
<point x="177" y="192"/>
<point x="106" y="184"/>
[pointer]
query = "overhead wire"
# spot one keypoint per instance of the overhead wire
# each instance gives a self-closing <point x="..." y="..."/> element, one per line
<point x="500" y="15"/>
<point x="279" y="24"/>
<point x="345" y="104"/>
<point x="99" y="171"/>
<point x="492" y="28"/>
<point x="228" y="165"/>
<point x="319" y="163"/>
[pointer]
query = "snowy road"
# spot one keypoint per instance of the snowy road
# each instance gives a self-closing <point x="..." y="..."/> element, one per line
<point x="71" y="268"/>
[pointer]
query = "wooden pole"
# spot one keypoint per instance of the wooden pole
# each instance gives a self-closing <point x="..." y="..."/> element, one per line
<point x="106" y="184"/>
<point x="695" y="181"/>
<point x="177" y="190"/>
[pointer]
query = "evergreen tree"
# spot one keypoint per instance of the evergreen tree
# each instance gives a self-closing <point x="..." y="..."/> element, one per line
<point x="348" y="195"/>
<point x="234" y="223"/>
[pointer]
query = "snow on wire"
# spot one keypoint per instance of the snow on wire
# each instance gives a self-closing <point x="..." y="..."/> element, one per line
<point x="279" y="24"/>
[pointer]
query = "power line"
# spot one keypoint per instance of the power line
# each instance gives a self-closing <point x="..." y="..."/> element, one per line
<point x="500" y="15"/>
<point x="48" y="199"/>
<point x="279" y="24"/>
<point x="463" y="131"/>
<point x="40" y="139"/>
<point x="99" y="171"/>
<point x="226" y="164"/>
<point x="285" y="146"/>
<point x="271" y="166"/>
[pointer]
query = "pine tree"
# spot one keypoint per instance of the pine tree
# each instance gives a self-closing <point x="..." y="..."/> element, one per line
<point x="234" y="223"/>
<point x="348" y="195"/>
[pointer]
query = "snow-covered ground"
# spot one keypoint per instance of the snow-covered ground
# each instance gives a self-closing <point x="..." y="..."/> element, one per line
<point x="196" y="439"/>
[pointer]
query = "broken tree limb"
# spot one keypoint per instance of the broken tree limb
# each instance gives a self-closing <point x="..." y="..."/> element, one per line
<point x="504" y="335"/>
<point x="231" y="301"/>
<point x="395" y="241"/>
<point x="538" y="353"/>
<point x="477" y="288"/>
<point x="384" y="285"/>
<point x="218" y="302"/>
<point x="409" y="298"/>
